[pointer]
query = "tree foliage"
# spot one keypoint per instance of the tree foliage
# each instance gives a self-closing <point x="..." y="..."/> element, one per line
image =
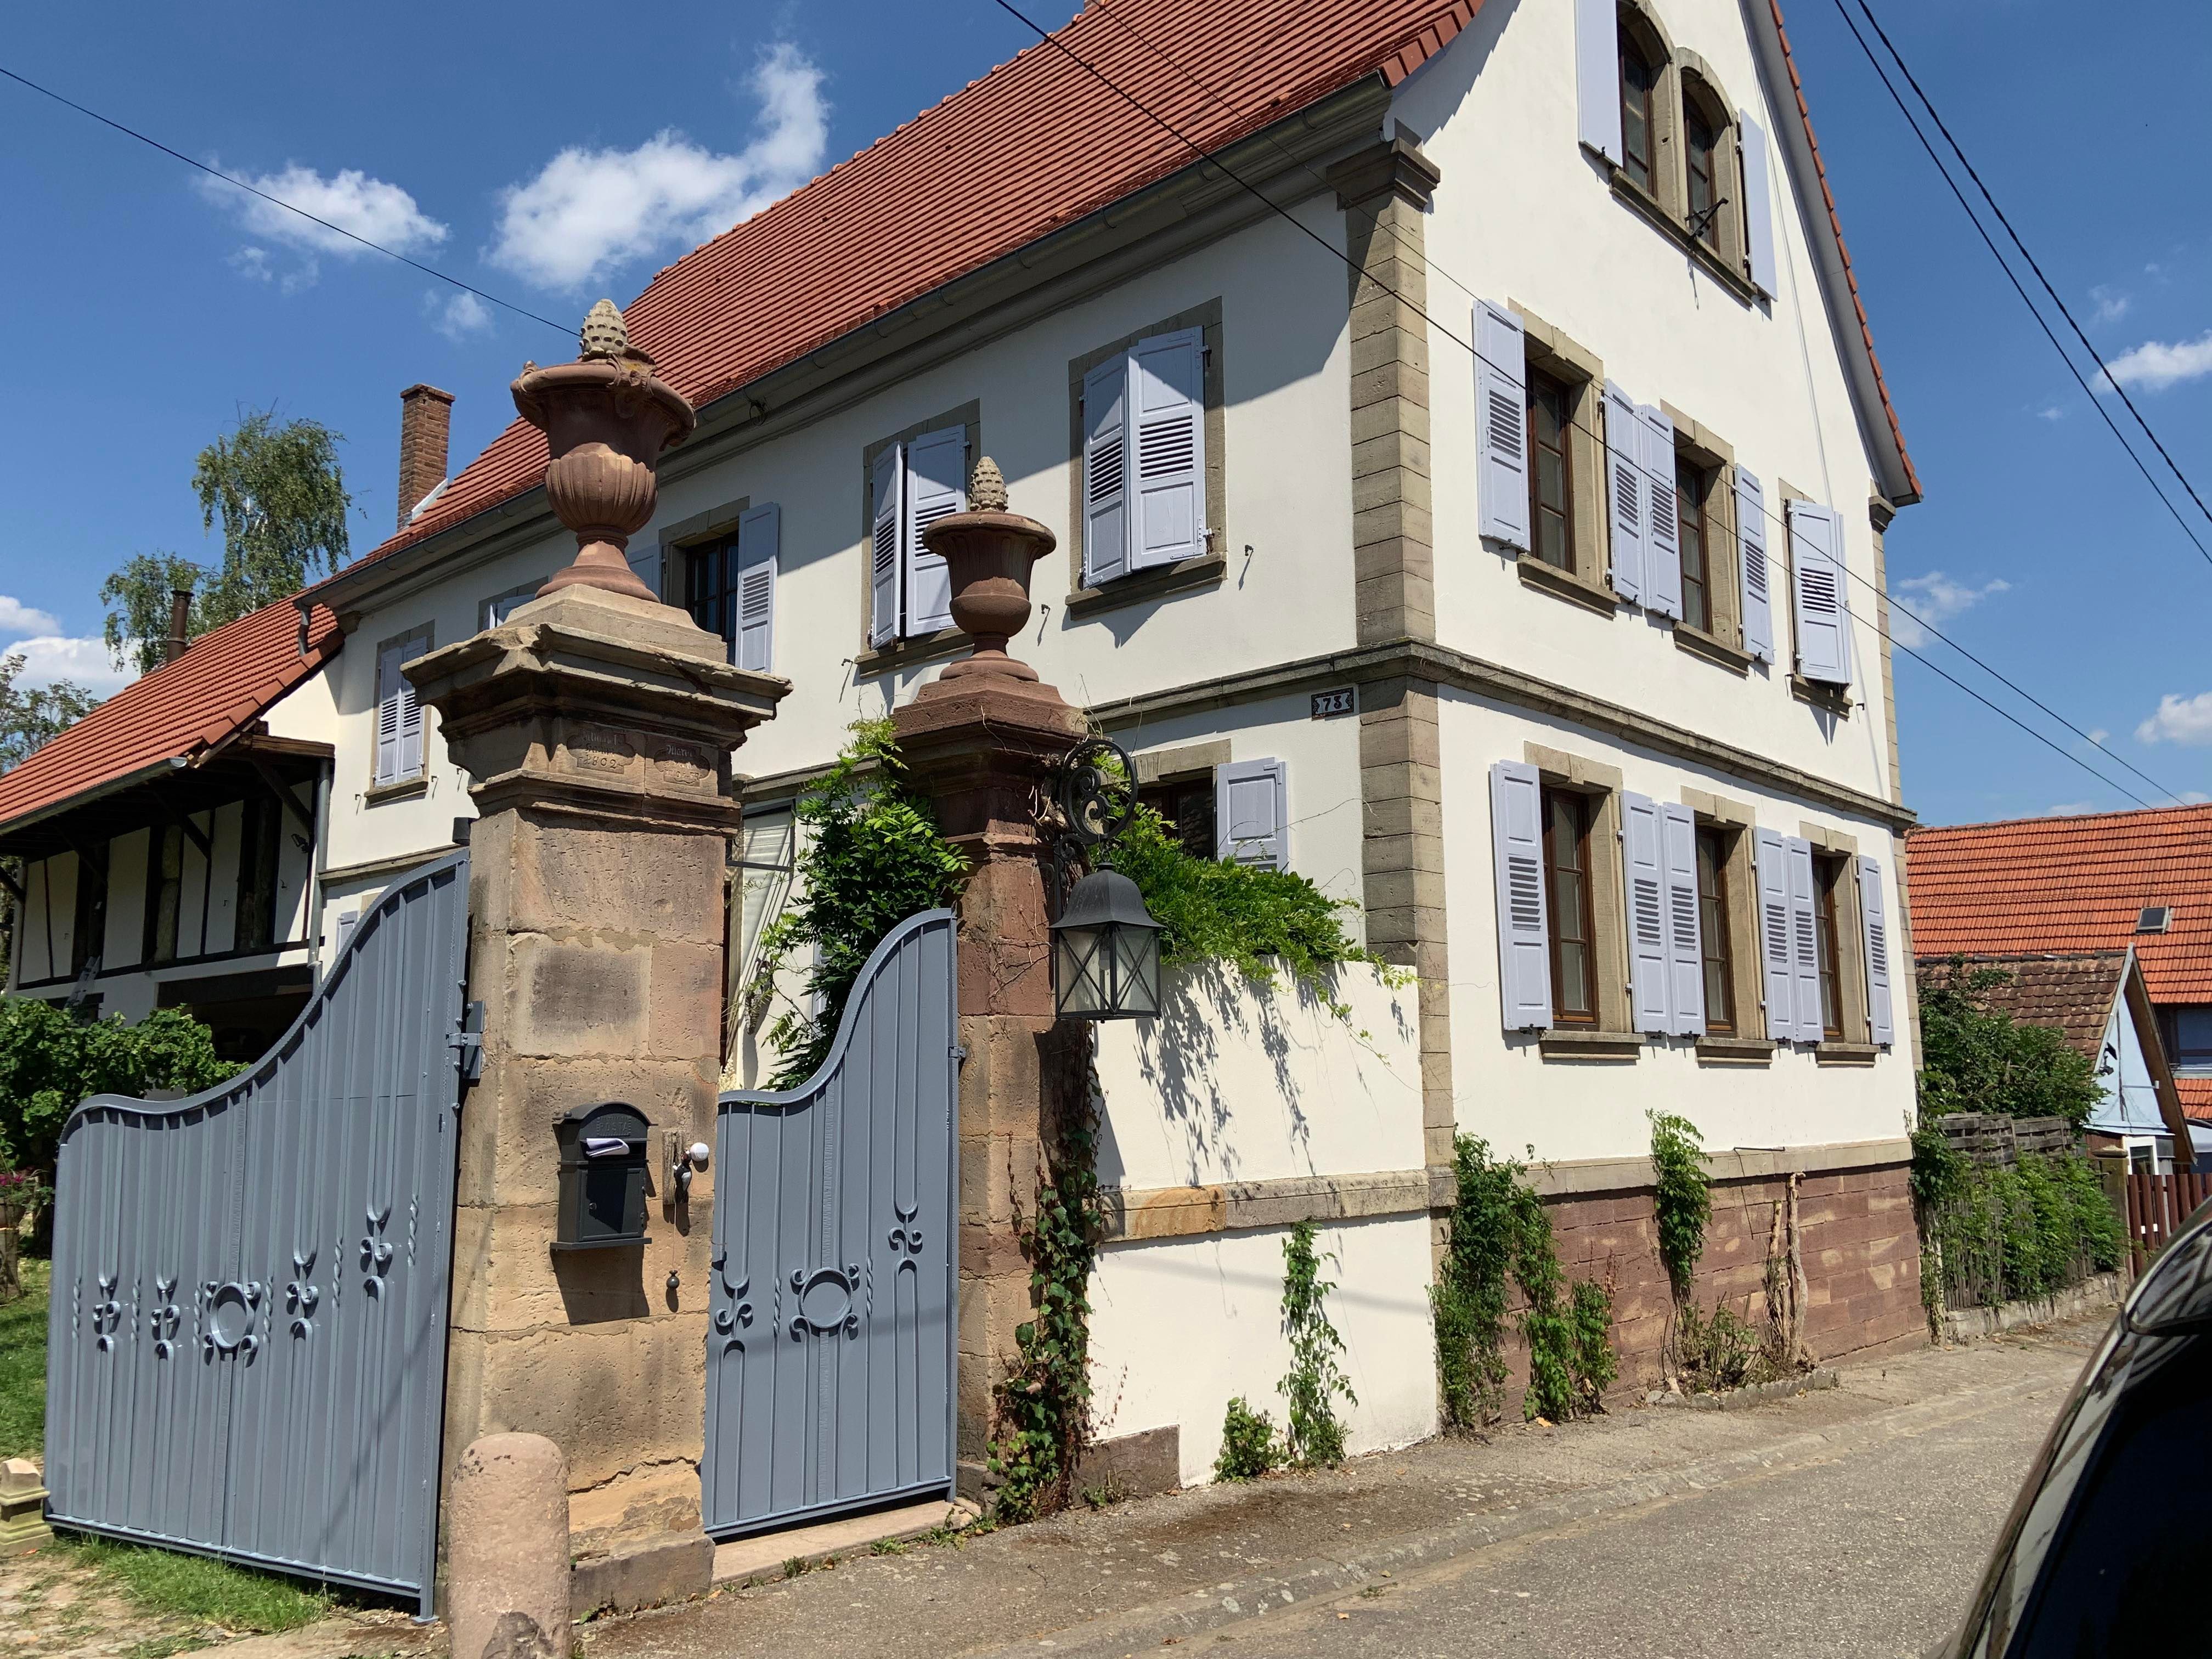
<point x="869" y="857"/>
<point x="280" y="495"/>
<point x="33" y="715"/>
<point x="50" y="1060"/>
<point x="1977" y="1059"/>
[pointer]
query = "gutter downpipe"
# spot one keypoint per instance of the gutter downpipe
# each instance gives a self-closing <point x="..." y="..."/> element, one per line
<point x="323" y="773"/>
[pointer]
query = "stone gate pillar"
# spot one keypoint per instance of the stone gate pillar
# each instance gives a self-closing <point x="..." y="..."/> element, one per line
<point x="596" y="726"/>
<point x="979" y="742"/>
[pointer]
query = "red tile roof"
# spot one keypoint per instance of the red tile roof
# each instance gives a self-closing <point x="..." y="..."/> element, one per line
<point x="2195" y="1094"/>
<point x="1035" y="145"/>
<point x="228" y="679"/>
<point x="2072" y="993"/>
<point x="2072" y="884"/>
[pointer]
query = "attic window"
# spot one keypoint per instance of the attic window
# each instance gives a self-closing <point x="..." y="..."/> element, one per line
<point x="2154" y="919"/>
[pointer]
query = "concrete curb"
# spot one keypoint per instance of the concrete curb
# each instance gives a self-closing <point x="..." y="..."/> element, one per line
<point x="1324" y="1577"/>
<point x="2103" y="1290"/>
<point x="1751" y="1394"/>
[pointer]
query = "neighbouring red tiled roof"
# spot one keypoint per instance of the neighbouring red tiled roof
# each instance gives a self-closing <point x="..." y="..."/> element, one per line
<point x="1035" y="145"/>
<point x="2071" y="993"/>
<point x="2071" y="884"/>
<point x="227" y="680"/>
<point x="2195" y="1094"/>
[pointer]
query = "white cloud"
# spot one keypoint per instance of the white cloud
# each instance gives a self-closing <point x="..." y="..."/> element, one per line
<point x="458" y="318"/>
<point x="379" y="211"/>
<point x="1935" y="599"/>
<point x="253" y="264"/>
<point x="2097" y="734"/>
<point x="17" y="618"/>
<point x="2111" y="304"/>
<point x="2183" y="720"/>
<point x="589" y="211"/>
<point x="50" y="657"/>
<point x="2153" y="365"/>
<point x="2067" y="809"/>
<point x="2050" y="412"/>
<point x="2195" y="797"/>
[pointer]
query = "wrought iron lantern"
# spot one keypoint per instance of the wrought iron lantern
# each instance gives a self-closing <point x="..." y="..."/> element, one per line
<point x="1106" y="951"/>
<point x="1105" y="946"/>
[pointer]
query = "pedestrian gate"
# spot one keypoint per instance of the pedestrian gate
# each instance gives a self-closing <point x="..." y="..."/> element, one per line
<point x="830" y="1336"/>
<point x="247" y="1338"/>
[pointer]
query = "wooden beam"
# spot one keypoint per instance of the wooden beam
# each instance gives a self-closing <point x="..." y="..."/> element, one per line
<point x="283" y="791"/>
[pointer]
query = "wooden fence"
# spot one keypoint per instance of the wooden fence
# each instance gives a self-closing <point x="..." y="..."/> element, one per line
<point x="1993" y="1138"/>
<point x="2159" y="1206"/>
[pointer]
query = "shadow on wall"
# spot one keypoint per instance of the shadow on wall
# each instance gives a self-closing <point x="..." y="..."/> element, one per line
<point x="1222" y="1043"/>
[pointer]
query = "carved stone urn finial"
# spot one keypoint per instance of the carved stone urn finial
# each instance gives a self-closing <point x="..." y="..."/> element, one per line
<point x="606" y="418"/>
<point x="987" y="551"/>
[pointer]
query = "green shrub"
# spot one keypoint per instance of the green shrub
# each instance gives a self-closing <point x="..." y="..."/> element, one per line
<point x="2004" y="1233"/>
<point x="50" y="1060"/>
<point x="1723" y="1351"/>
<point x="1682" y="1201"/>
<point x="1467" y="1301"/>
<point x="1975" y="1059"/>
<point x="1315" y="1435"/>
<point x="1249" y="1446"/>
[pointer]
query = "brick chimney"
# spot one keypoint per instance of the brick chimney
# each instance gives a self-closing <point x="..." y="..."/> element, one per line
<point x="425" y="418"/>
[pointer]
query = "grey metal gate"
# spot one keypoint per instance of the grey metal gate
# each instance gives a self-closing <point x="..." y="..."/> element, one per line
<point x="247" y="1340"/>
<point x="829" y="1356"/>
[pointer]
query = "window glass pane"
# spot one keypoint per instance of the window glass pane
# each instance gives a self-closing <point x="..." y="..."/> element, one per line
<point x="1551" y="511"/>
<point x="1566" y="859"/>
<point x="1636" y="79"/>
<point x="1713" y="932"/>
<point x="2192" y="1036"/>
<point x="1825" y="876"/>
<point x="1690" y="507"/>
<point x="1700" y="167"/>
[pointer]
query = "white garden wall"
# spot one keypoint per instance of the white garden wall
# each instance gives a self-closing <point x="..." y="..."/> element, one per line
<point x="1239" y="1108"/>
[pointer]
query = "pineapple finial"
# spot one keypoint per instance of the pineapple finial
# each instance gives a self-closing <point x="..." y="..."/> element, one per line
<point x="986" y="488"/>
<point x="605" y="334"/>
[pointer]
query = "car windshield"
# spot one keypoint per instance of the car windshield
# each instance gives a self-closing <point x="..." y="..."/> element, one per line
<point x="2114" y="1534"/>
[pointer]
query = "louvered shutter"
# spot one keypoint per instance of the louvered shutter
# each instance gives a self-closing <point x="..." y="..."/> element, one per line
<point x="1662" y="549"/>
<point x="1524" y="952"/>
<point x="936" y="485"/>
<point x="1875" y="920"/>
<point x="348" y="920"/>
<point x="1250" y="813"/>
<point x="645" y="565"/>
<point x="884" y="561"/>
<point x="1755" y="570"/>
<point x="388" y="714"/>
<point x="1501" y="397"/>
<point x="1167" y="411"/>
<point x="1597" y="77"/>
<point x="1105" y="472"/>
<point x="760" y="533"/>
<point x="1777" y="981"/>
<point x="1625" y="493"/>
<point x="1758" y="205"/>
<point x="410" y="714"/>
<point x="1685" y="958"/>
<point x="1642" y="862"/>
<point x="1804" y="940"/>
<point x="1824" y="641"/>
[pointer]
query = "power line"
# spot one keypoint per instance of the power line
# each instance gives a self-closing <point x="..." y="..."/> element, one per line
<point x="1919" y="92"/>
<point x="1203" y="154"/>
<point x="2095" y="403"/>
<point x="217" y="173"/>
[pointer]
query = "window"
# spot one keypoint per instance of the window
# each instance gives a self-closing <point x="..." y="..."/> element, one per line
<point x="260" y="824"/>
<point x="913" y="483"/>
<point x="2188" y="1033"/>
<point x="88" y="929"/>
<point x="1187" y="804"/>
<point x="1639" y="81"/>
<point x="1693" y="492"/>
<point x="729" y="586"/>
<point x="1142" y="416"/>
<point x="398" y="711"/>
<point x="1828" y="873"/>
<point x="165" y="888"/>
<point x="1567" y="889"/>
<point x="1715" y="943"/>
<point x="1551" y="476"/>
<point x="1703" y="159"/>
<point x="495" y="610"/>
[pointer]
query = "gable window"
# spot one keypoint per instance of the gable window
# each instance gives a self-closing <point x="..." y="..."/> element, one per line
<point x="913" y="481"/>
<point x="1142" y="414"/>
<point x="1567" y="892"/>
<point x="729" y="586"/>
<point x="1702" y="157"/>
<point x="1715" y="943"/>
<point x="2188" y="1034"/>
<point x="1551" y="471"/>
<point x="1692" y="489"/>
<point x="1639" y="82"/>
<point x="399" y="710"/>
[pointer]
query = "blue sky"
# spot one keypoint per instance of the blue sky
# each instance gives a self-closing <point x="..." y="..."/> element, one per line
<point x="511" y="147"/>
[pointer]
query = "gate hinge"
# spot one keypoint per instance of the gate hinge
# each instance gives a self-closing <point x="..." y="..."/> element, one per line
<point x="468" y="1042"/>
<point x="958" y="1052"/>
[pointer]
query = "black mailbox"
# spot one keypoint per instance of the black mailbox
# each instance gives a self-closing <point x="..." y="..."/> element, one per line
<point x="602" y="1176"/>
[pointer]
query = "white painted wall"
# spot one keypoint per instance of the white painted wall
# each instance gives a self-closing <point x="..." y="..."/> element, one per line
<point x="1507" y="1092"/>
<point x="1523" y="215"/>
<point x="1236" y="1082"/>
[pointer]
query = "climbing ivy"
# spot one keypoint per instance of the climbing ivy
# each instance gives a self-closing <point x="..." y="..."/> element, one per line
<point x="1681" y="1198"/>
<point x="1570" y="1359"/>
<point x="1315" y="1435"/>
<point x="869" y="856"/>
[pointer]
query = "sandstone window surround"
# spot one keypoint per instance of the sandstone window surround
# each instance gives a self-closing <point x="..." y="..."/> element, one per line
<point x="1610" y="1034"/>
<point x="396" y="763"/>
<point x="1131" y="581"/>
<point x="907" y="480"/>
<point x="1848" y="1039"/>
<point x="1578" y="373"/>
<point x="1729" y="824"/>
<point x="1712" y="461"/>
